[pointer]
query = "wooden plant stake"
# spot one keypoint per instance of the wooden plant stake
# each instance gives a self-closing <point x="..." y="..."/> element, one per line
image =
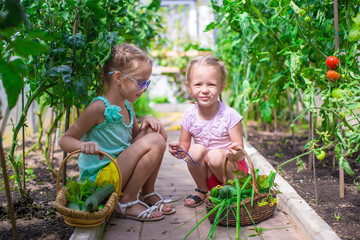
<point x="311" y="135"/>
<point x="6" y="179"/>
<point x="336" y="26"/>
<point x="291" y="116"/>
<point x="67" y="123"/>
<point x="23" y="139"/>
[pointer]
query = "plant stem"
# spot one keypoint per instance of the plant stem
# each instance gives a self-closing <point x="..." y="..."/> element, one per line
<point x="206" y="216"/>
<point x="308" y="40"/>
<point x="304" y="154"/>
<point x="59" y="114"/>
<point x="16" y="130"/>
<point x="8" y="192"/>
<point x="237" y="207"/>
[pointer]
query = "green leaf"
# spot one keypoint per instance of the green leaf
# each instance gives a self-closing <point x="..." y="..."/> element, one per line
<point x="345" y="165"/>
<point x="74" y="193"/>
<point x="265" y="59"/>
<point x="26" y="47"/>
<point x="266" y="113"/>
<point x="294" y="64"/>
<point x="12" y="80"/>
<point x="354" y="34"/>
<point x="210" y="27"/>
<point x="15" y="16"/>
<point x="79" y="191"/>
<point x="276" y="78"/>
<point x="97" y="8"/>
<point x="76" y="41"/>
<point x="295" y="7"/>
<point x="154" y="4"/>
<point x="43" y="35"/>
<point x="262" y="182"/>
<point x="308" y="97"/>
<point x="258" y="13"/>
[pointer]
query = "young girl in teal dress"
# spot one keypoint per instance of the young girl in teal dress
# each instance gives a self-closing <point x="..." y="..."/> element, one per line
<point x="109" y="124"/>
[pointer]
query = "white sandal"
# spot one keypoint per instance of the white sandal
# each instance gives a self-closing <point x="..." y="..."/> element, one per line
<point x="144" y="216"/>
<point x="159" y="204"/>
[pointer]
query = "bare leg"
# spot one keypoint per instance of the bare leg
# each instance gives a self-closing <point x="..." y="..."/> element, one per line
<point x="149" y="185"/>
<point x="198" y="173"/>
<point x="137" y="163"/>
<point x="216" y="158"/>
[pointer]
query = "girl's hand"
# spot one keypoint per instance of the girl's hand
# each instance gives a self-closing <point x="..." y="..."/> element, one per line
<point x="153" y="123"/>
<point x="173" y="147"/>
<point x="233" y="152"/>
<point x="91" y="148"/>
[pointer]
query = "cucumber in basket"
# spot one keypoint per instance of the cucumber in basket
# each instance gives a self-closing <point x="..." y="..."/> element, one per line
<point x="94" y="200"/>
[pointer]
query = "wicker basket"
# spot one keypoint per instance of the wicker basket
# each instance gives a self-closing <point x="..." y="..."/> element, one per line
<point x="258" y="213"/>
<point x="79" y="218"/>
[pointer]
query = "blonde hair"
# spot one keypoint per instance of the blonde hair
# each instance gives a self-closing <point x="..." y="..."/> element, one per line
<point x="125" y="58"/>
<point x="209" y="61"/>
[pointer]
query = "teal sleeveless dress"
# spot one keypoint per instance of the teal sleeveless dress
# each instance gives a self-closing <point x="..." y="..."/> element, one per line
<point x="112" y="136"/>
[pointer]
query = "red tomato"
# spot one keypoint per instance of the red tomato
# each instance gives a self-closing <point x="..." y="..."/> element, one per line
<point x="332" y="62"/>
<point x="332" y="75"/>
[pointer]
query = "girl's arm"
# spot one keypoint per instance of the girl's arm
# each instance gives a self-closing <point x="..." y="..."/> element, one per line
<point x="237" y="142"/>
<point x="136" y="128"/>
<point x="92" y="115"/>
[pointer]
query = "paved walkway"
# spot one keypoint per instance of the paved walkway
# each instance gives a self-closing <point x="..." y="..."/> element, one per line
<point x="174" y="179"/>
<point x="293" y="220"/>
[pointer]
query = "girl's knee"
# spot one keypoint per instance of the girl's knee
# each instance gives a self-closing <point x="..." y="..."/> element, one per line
<point x="156" y="140"/>
<point x="197" y="150"/>
<point x="216" y="158"/>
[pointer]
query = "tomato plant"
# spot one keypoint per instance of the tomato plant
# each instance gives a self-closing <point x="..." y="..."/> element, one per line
<point x="332" y="75"/>
<point x="60" y="48"/>
<point x="292" y="40"/>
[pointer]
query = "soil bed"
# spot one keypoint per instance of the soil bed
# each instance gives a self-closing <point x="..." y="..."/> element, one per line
<point x="41" y="221"/>
<point x="341" y="214"/>
<point x="38" y="219"/>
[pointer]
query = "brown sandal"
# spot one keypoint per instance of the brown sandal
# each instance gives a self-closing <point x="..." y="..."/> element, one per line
<point x="196" y="198"/>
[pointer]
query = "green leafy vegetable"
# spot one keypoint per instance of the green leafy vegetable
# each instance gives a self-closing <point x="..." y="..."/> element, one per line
<point x="79" y="191"/>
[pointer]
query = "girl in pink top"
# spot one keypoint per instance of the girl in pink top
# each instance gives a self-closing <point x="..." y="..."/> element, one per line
<point x="214" y="127"/>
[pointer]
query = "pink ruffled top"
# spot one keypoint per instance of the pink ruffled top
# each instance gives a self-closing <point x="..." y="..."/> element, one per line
<point x="212" y="133"/>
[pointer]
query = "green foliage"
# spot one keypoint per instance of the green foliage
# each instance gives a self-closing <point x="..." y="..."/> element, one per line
<point x="141" y="106"/>
<point x="15" y="48"/>
<point x="29" y="174"/>
<point x="273" y="46"/>
<point x="79" y="191"/>
<point x="57" y="48"/>
<point x="162" y="99"/>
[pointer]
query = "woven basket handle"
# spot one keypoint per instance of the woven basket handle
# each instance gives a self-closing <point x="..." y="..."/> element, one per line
<point x="78" y="151"/>
<point x="252" y="171"/>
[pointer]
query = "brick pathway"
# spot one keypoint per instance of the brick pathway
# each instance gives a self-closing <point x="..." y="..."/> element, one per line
<point x="175" y="180"/>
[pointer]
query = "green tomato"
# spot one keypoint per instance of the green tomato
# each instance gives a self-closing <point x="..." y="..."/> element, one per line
<point x="321" y="155"/>
<point x="336" y="93"/>
<point x="307" y="19"/>
<point x="302" y="12"/>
